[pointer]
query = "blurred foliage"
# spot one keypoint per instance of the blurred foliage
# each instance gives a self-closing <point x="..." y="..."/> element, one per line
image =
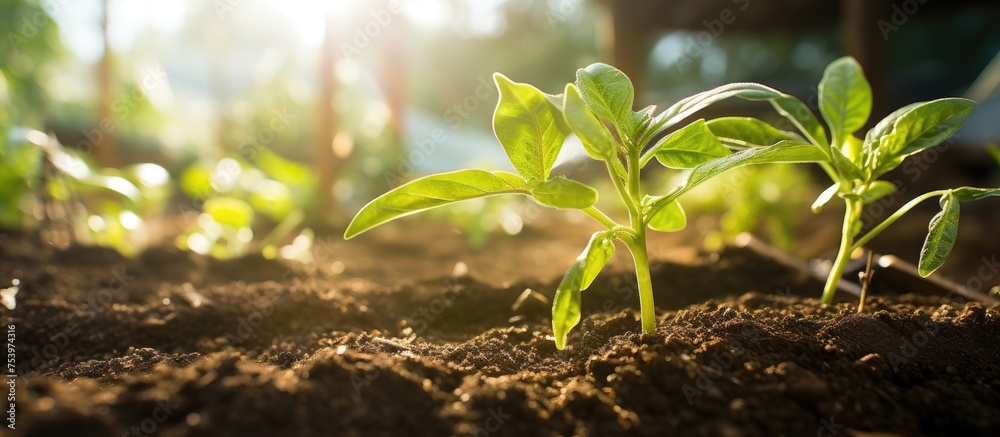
<point x="766" y="200"/>
<point x="238" y="196"/>
<point x="20" y="164"/>
<point x="44" y="182"/>
<point x="32" y="45"/>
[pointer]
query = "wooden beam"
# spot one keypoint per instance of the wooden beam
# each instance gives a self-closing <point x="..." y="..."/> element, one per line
<point x="864" y="41"/>
<point x="326" y="164"/>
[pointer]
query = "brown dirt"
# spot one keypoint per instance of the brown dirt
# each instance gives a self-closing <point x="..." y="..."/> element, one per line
<point x="377" y="338"/>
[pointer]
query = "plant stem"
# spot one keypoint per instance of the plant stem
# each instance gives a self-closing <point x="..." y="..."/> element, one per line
<point x="601" y="217"/>
<point x="635" y="218"/>
<point x="622" y="191"/>
<point x="895" y="216"/>
<point x="844" y="254"/>
<point x="638" y="249"/>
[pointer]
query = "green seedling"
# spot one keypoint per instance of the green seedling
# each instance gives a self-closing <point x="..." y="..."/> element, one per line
<point x="855" y="165"/>
<point x="532" y="125"/>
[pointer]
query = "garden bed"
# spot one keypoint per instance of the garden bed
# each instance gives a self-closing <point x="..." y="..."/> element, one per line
<point x="387" y="337"/>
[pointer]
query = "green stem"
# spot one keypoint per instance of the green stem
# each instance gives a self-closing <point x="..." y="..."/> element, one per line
<point x="844" y="254"/>
<point x="638" y="249"/>
<point x="896" y="216"/>
<point x="601" y="217"/>
<point x="622" y="191"/>
<point x="635" y="219"/>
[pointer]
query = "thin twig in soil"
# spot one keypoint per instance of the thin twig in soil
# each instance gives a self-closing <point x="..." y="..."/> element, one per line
<point x="866" y="280"/>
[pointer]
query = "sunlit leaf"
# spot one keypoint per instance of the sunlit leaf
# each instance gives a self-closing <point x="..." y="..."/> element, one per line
<point x="433" y="191"/>
<point x="566" y="304"/>
<point x="781" y="153"/>
<point x="689" y="146"/>
<point x="526" y="122"/>
<point x="789" y="107"/>
<point x="845" y="98"/>
<point x="825" y="197"/>
<point x="670" y="218"/>
<point x="560" y="192"/>
<point x="845" y="166"/>
<point x="608" y="92"/>
<point x="911" y="129"/>
<point x="596" y="139"/>
<point x="753" y="132"/>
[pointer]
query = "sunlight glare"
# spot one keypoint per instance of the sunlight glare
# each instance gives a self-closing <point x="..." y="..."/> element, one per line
<point x="431" y="14"/>
<point x="309" y="16"/>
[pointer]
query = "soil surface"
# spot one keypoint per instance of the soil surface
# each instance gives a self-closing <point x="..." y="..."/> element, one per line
<point x="389" y="336"/>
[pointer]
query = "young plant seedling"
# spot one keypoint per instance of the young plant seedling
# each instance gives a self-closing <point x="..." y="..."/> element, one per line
<point x="532" y="125"/>
<point x="855" y="165"/>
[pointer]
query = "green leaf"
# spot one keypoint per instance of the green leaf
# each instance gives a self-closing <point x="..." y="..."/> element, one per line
<point x="527" y="124"/>
<point x="641" y="119"/>
<point x="749" y="130"/>
<point x="566" y="304"/>
<point x="802" y="118"/>
<point x="596" y="139"/>
<point x="608" y="92"/>
<point x="670" y="218"/>
<point x="433" y="191"/>
<point x="845" y="98"/>
<point x="789" y="107"/>
<point x="941" y="235"/>
<point x="973" y="193"/>
<point x="689" y="146"/>
<point x="560" y="192"/>
<point x="229" y="211"/>
<point x="877" y="190"/>
<point x="845" y="167"/>
<point x="911" y="129"/>
<point x="688" y="106"/>
<point x="825" y="197"/>
<point x="781" y="153"/>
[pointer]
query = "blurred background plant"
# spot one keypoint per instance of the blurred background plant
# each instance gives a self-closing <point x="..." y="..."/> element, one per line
<point x="768" y="201"/>
<point x="312" y="107"/>
<point x="236" y="196"/>
<point x="45" y="185"/>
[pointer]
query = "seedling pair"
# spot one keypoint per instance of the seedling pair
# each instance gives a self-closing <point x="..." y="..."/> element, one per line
<point x="532" y="125"/>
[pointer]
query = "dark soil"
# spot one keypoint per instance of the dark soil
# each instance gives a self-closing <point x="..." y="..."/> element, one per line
<point x="379" y="338"/>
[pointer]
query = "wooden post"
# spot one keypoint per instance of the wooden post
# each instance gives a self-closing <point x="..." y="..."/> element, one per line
<point x="326" y="118"/>
<point x="621" y="35"/>
<point x="864" y="41"/>
<point x="103" y="135"/>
